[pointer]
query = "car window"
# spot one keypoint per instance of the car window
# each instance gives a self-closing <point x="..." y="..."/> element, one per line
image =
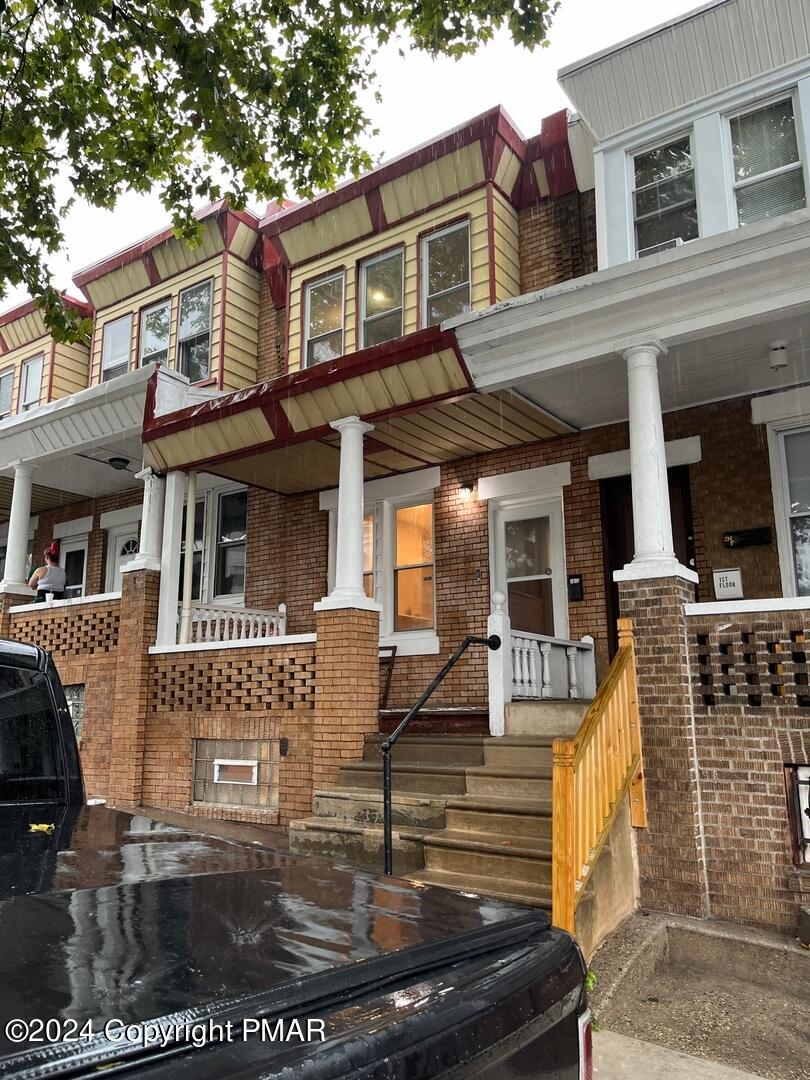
<point x="29" y="738"/>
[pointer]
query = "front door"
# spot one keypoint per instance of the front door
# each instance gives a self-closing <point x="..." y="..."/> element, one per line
<point x="529" y="566"/>
<point x="617" y="527"/>
<point x="122" y="545"/>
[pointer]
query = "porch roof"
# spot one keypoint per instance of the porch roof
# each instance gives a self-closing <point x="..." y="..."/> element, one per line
<point x="416" y="391"/>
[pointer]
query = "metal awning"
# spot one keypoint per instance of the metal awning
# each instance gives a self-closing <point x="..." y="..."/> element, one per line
<point x="416" y="391"/>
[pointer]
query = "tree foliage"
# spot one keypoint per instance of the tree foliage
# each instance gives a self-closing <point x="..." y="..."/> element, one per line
<point x="198" y="100"/>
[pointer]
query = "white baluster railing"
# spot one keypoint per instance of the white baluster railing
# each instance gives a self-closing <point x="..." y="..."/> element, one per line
<point x="218" y="622"/>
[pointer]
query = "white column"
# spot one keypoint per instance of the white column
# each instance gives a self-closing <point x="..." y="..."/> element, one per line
<point x="348" y="589"/>
<point x="14" y="580"/>
<point x="188" y="562"/>
<point x="499" y="664"/>
<point x="148" y="557"/>
<point x="175" y="495"/>
<point x="654" y="554"/>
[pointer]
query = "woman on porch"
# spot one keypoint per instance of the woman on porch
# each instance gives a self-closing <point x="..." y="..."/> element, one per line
<point x="49" y="578"/>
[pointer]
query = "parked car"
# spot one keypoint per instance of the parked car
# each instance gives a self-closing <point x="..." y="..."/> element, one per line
<point x="131" y="946"/>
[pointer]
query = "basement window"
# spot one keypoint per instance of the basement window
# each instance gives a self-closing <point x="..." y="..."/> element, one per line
<point x="664" y="202"/>
<point x="239" y="773"/>
<point x="798" y="777"/>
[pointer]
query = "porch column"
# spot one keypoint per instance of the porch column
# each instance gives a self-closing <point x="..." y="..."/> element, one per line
<point x="654" y="554"/>
<point x="148" y="557"/>
<point x="348" y="590"/>
<point x="188" y="562"/>
<point x="14" y="579"/>
<point x="175" y="494"/>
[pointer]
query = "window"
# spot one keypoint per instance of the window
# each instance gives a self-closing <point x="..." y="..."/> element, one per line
<point x="768" y="177"/>
<point x="664" y="204"/>
<point x="194" y="332"/>
<point x="324" y="319"/>
<point x="72" y="559"/>
<point x="229" y="575"/>
<point x="196" y="569"/>
<point x="413" y="567"/>
<point x="75" y="701"/>
<point x="31" y="386"/>
<point x="381" y="292"/>
<point x="236" y="772"/>
<point x="799" y="795"/>
<point x="29" y="738"/>
<point x="797" y="469"/>
<point x="6" y="391"/>
<point x="368" y="555"/>
<point x="116" y="343"/>
<point x="446" y="273"/>
<point x="155" y="325"/>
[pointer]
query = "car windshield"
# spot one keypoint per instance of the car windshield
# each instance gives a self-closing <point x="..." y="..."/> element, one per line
<point x="29" y="738"/>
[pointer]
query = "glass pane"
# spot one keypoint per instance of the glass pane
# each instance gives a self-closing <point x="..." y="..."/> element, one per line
<point x="383" y="329"/>
<point x="230" y="577"/>
<point x="414" y="535"/>
<point x="797" y="457"/>
<point x="32" y="381"/>
<point x="6" y="389"/>
<point x="368" y="555"/>
<point x="764" y="140"/>
<point x="325" y="348"/>
<point x="230" y="568"/>
<point x="530" y="606"/>
<point x="155" y="323"/>
<point x="29" y="738"/>
<point x="384" y="284"/>
<point x="800" y="530"/>
<point x="193" y="357"/>
<point x="325" y="307"/>
<point x="663" y="163"/>
<point x="448" y="260"/>
<point x="3" y="561"/>
<point x="116" y="342"/>
<point x="233" y="517"/>
<point x="74" y="572"/>
<point x="452" y="303"/>
<point x="527" y="545"/>
<point x="413" y="598"/>
<point x="658" y="230"/>
<point x="660" y="197"/>
<point x="196" y="568"/>
<point x="236" y="774"/>
<point x="195" y="311"/>
<point x="771" y="197"/>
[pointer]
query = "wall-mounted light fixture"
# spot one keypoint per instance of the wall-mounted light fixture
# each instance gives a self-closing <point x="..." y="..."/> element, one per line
<point x="778" y="355"/>
<point x="465" y="492"/>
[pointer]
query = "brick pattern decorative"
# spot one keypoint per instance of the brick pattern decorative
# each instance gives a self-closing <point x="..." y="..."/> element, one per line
<point x="761" y="666"/>
<point x="239" y="680"/>
<point x="70" y="631"/>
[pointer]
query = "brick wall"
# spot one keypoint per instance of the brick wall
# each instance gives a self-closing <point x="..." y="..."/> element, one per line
<point x="557" y="240"/>
<point x="271" y="336"/>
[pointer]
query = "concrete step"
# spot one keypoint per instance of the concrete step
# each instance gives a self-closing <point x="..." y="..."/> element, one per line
<point x="429" y="749"/>
<point x="431" y="721"/>
<point x="498" y="822"/>
<point x="355" y="845"/>
<point x="515" y="751"/>
<point x="364" y="807"/>
<point x="552" y="718"/>
<point x="528" y="847"/>
<point x="509" y="782"/>
<point x="488" y="857"/>
<point x="425" y="779"/>
<point x="498" y="889"/>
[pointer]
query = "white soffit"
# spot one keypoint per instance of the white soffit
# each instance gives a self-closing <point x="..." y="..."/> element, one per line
<point x="545" y="480"/>
<point x="718" y="46"/>
<point x="679" y="452"/>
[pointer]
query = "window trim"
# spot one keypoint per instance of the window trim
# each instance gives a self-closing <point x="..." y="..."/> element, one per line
<point x="424" y="240"/>
<point x="788" y="94"/>
<point x="390" y="566"/>
<point x="645" y="148"/>
<point x="253" y="762"/>
<point x="307" y="286"/>
<point x="8" y="371"/>
<point x="75" y="543"/>
<point x="115" y="534"/>
<point x="362" y="318"/>
<point x="166" y="301"/>
<point x="108" y="323"/>
<point x="178" y="340"/>
<point x="22" y="405"/>
<point x="777" y="430"/>
<point x="217" y="494"/>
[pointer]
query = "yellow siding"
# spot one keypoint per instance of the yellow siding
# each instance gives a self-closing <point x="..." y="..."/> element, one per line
<point x="15" y="358"/>
<point x="474" y="204"/>
<point x="507" y="264"/>
<point x="70" y="369"/>
<point x="508" y="170"/>
<point x="22" y="331"/>
<point x="441" y="179"/>
<point x="174" y="256"/>
<point x="122" y="282"/>
<point x="168" y="289"/>
<point x="241" y="340"/>
<point x="329" y="230"/>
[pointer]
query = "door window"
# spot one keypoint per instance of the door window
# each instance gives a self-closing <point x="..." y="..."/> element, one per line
<point x="529" y="575"/>
<point x="122" y="546"/>
<point x="73" y="558"/>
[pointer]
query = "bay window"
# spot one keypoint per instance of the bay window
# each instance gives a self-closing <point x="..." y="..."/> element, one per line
<point x="155" y="327"/>
<point x="6" y="391"/>
<point x="31" y="386"/>
<point x="768" y="172"/>
<point x="194" y="332"/>
<point x="381" y="298"/>
<point x="446" y="273"/>
<point x="115" y="346"/>
<point x="664" y="201"/>
<point x="324" y="319"/>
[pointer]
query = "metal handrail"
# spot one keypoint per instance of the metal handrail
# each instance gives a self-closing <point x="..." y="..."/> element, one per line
<point x="492" y="642"/>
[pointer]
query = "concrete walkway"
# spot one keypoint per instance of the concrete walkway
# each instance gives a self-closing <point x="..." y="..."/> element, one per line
<point x="620" y="1057"/>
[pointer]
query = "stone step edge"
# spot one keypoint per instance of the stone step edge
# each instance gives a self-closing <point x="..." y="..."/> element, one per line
<point x="477" y="803"/>
<point x="376" y="738"/>
<point x="505" y="772"/>
<point x="372" y="795"/>
<point x="353" y="828"/>
<point x="494" y="888"/>
<point x="483" y="844"/>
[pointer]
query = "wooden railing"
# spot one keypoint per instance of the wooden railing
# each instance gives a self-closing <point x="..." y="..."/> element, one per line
<point x="217" y="622"/>
<point x="592" y="774"/>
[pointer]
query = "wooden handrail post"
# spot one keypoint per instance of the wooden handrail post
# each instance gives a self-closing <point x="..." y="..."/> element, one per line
<point x="638" y="795"/>
<point x="563" y="870"/>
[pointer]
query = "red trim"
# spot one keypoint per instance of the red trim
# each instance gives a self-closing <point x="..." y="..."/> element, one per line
<point x="278" y="420"/>
<point x="556" y="154"/>
<point x="3" y="346"/>
<point x="31" y="306"/>
<point x="275" y="272"/>
<point x="222" y="310"/>
<point x="358" y="275"/>
<point x="490" y="247"/>
<point x="376" y="210"/>
<point x="151" y="269"/>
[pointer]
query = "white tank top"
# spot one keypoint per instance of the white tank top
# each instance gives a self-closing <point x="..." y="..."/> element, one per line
<point x="53" y="580"/>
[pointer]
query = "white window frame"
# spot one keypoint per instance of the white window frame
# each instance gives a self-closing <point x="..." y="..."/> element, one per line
<point x="8" y="373"/>
<point x="105" y="367"/>
<point x="167" y="303"/>
<point x="333" y="275"/>
<point x="382" y="257"/>
<point x="24" y="404"/>
<point x="645" y="148"/>
<point x="728" y="148"/>
<point x="210" y="283"/>
<point x="389" y="539"/>
<point x="781" y="498"/>
<point x="78" y="543"/>
<point x="424" y="256"/>
<point x="237" y="599"/>
<point x="209" y="492"/>
<point x="115" y="536"/>
<point x="218" y="762"/>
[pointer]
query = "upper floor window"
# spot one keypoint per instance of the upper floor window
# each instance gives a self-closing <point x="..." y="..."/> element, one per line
<point x="664" y="203"/>
<point x="446" y="273"/>
<point x="768" y="176"/>
<point x="381" y="298"/>
<point x="31" y="387"/>
<point x="324" y="319"/>
<point x="194" y="332"/>
<point x="116" y="341"/>
<point x="155" y="325"/>
<point x="6" y="391"/>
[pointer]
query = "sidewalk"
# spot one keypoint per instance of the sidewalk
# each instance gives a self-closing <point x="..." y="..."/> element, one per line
<point x="620" y="1057"/>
